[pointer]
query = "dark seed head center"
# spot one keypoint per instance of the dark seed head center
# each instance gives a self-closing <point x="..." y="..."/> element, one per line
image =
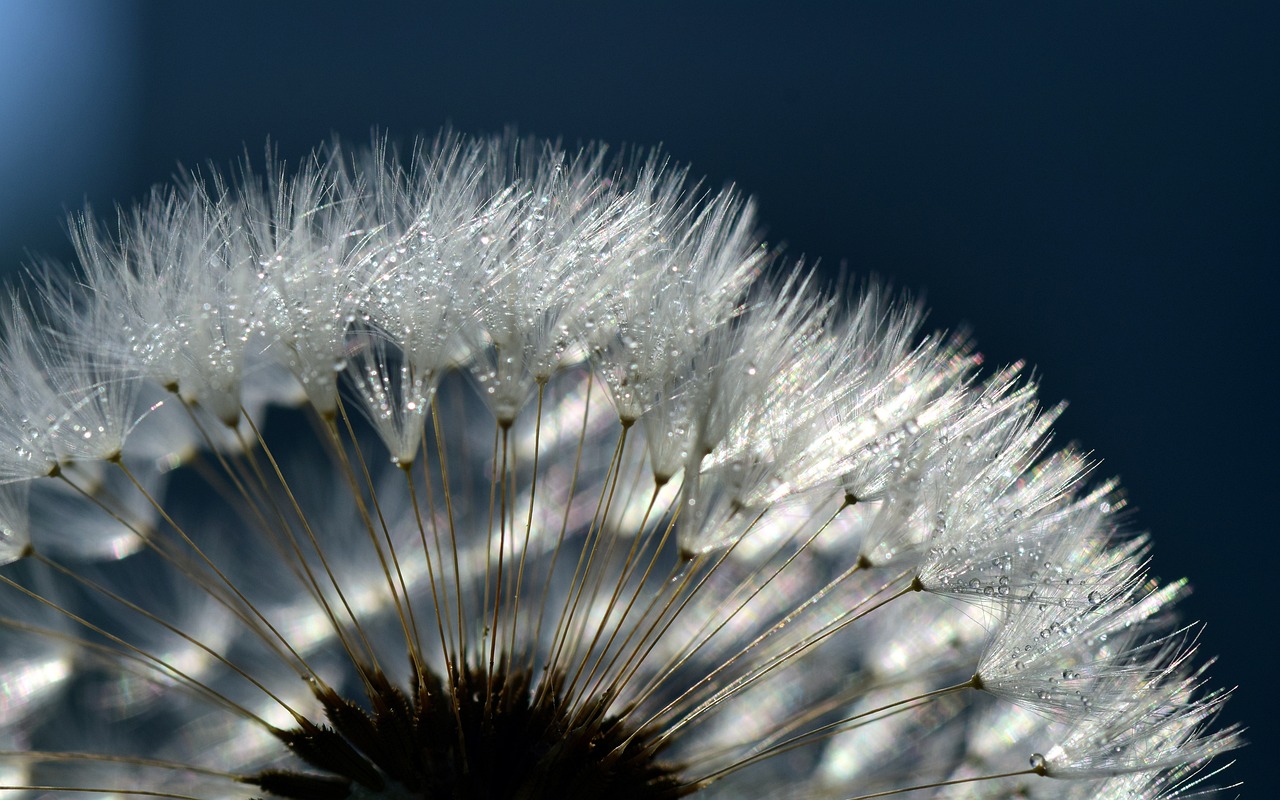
<point x="479" y="735"/>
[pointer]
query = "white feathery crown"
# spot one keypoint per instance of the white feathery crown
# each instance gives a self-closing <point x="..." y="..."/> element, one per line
<point x="504" y="470"/>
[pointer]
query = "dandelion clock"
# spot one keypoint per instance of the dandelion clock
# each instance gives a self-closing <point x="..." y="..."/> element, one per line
<point x="494" y="470"/>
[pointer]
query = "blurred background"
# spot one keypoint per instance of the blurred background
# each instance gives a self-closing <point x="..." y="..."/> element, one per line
<point x="1092" y="187"/>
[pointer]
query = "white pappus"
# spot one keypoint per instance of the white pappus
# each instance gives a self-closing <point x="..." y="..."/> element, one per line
<point x="504" y="470"/>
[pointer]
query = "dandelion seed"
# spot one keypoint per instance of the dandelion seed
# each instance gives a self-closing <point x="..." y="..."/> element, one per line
<point x="503" y="471"/>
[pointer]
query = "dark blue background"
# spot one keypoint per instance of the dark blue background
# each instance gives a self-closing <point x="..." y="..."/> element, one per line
<point x="1094" y="187"/>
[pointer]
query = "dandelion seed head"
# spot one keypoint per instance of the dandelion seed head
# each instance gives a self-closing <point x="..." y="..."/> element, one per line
<point x="499" y="469"/>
